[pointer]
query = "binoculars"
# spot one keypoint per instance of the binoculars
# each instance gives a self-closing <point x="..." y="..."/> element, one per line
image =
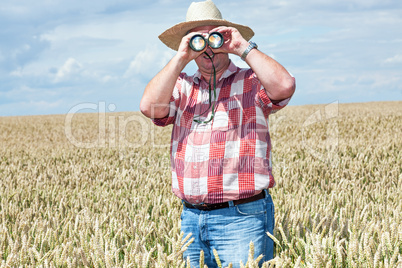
<point x="198" y="42"/>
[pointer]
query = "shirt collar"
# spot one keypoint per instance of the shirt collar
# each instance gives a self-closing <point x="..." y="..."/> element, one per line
<point x="228" y="72"/>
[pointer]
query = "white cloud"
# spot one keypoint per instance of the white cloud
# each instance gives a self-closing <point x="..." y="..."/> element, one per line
<point x="148" y="62"/>
<point x="70" y="68"/>
<point x="395" y="59"/>
<point x="142" y="63"/>
<point x="17" y="73"/>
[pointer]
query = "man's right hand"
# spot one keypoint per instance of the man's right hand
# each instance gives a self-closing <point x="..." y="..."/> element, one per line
<point x="185" y="52"/>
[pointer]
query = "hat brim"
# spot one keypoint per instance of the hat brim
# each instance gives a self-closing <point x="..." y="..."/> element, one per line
<point x="172" y="36"/>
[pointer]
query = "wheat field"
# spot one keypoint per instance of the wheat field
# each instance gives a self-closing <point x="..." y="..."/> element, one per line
<point x="93" y="189"/>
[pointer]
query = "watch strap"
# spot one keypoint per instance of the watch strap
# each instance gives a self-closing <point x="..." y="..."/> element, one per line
<point x="248" y="49"/>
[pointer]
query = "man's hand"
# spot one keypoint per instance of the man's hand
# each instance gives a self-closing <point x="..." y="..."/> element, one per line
<point x="185" y="52"/>
<point x="234" y="43"/>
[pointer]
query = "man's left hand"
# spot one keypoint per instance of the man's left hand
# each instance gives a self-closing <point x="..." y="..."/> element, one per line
<point x="234" y="43"/>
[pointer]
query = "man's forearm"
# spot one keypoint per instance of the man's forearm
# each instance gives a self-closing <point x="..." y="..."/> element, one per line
<point x="157" y="94"/>
<point x="276" y="80"/>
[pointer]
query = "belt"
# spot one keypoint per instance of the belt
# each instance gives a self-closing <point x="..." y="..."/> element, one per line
<point x="225" y="204"/>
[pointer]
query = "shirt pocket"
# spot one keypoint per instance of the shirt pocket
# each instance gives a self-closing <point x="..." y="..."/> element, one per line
<point x="227" y="114"/>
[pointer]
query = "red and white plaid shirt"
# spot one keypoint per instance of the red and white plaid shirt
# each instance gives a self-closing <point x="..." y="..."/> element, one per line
<point x="228" y="158"/>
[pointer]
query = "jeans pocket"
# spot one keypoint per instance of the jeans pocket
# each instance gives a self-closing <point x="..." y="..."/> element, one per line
<point x="252" y="208"/>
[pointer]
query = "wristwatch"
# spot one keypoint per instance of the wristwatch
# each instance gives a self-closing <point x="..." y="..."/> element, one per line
<point x="248" y="49"/>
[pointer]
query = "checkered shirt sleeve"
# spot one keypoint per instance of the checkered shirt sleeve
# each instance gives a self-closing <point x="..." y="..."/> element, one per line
<point x="173" y="105"/>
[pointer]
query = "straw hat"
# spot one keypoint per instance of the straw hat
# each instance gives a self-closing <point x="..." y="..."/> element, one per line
<point x="200" y="14"/>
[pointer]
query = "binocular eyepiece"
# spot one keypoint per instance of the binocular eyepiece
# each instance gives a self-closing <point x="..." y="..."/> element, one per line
<point x="198" y="42"/>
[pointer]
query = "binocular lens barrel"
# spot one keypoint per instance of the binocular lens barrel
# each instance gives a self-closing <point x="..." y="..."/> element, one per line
<point x="198" y="42"/>
<point x="215" y="40"/>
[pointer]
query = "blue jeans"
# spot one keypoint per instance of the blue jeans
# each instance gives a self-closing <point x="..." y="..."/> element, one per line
<point x="229" y="231"/>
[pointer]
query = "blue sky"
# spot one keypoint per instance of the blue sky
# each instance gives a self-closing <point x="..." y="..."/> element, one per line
<point x="56" y="55"/>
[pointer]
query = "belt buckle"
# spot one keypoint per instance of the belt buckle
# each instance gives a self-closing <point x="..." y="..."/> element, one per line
<point x="202" y="206"/>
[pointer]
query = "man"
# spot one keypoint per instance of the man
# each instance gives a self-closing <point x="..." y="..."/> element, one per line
<point x="220" y="148"/>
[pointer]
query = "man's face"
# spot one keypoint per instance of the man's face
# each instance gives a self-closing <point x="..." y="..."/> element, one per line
<point x="221" y="60"/>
